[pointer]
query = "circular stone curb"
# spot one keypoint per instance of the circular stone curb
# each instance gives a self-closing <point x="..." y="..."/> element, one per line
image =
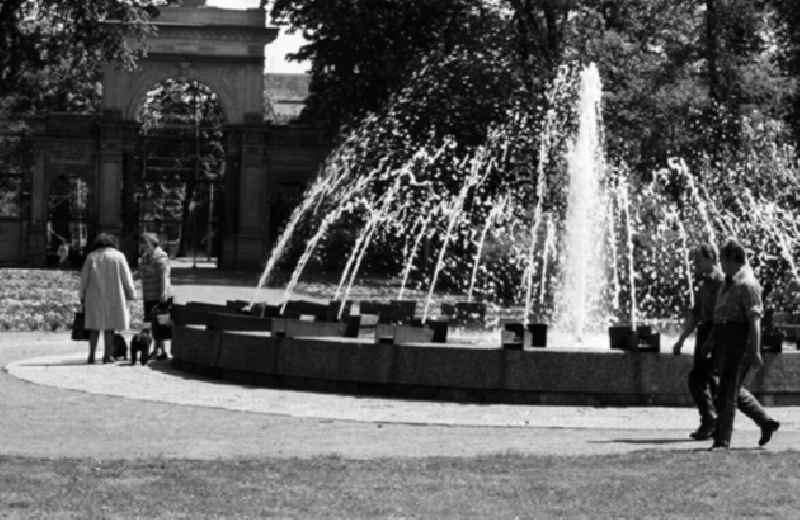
<point x="159" y="382"/>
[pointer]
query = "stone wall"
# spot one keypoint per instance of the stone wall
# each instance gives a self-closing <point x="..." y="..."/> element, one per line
<point x="461" y="372"/>
<point x="275" y="161"/>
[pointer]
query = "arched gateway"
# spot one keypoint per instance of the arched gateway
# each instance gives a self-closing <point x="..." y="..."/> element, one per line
<point x="222" y="49"/>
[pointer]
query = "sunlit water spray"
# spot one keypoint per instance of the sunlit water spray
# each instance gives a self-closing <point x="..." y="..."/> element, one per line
<point x="584" y="273"/>
<point x="480" y="167"/>
<point x="491" y="220"/>
<point x="577" y="247"/>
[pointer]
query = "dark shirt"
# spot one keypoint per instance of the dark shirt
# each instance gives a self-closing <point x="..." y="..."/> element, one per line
<point x="739" y="299"/>
<point x="705" y="298"/>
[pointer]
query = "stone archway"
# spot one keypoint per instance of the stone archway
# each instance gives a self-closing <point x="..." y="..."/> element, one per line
<point x="181" y="166"/>
<point x="224" y="49"/>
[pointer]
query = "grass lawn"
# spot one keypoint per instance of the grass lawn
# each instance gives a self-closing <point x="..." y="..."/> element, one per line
<point x="656" y="484"/>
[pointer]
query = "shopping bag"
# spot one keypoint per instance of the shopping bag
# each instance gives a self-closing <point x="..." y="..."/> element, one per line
<point x="162" y="320"/>
<point x="79" y="330"/>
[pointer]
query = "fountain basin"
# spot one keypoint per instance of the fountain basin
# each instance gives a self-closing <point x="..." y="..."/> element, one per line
<point x="475" y="372"/>
<point x="623" y="337"/>
<point x="516" y="336"/>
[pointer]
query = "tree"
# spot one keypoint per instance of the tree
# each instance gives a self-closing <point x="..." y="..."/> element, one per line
<point x="677" y="75"/>
<point x="787" y="25"/>
<point x="52" y="50"/>
<point x="363" y="50"/>
<point x="540" y="28"/>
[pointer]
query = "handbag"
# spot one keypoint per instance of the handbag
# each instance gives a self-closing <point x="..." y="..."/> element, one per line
<point x="79" y="330"/>
<point x="162" y="320"/>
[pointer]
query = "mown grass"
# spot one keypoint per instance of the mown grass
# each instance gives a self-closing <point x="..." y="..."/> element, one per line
<point x="656" y="484"/>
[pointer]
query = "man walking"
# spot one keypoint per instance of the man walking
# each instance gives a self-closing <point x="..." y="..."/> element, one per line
<point x="702" y="383"/>
<point x="736" y="341"/>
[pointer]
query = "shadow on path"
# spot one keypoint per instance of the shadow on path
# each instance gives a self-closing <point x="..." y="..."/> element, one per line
<point x="63" y="363"/>
<point x="663" y="440"/>
<point x="166" y="367"/>
<point x="700" y="446"/>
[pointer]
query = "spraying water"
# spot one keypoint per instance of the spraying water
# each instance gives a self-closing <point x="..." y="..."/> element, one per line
<point x="612" y="241"/>
<point x="375" y="218"/>
<point x="546" y="140"/>
<point x="322" y="184"/>
<point x="423" y="229"/>
<point x="584" y="262"/>
<point x="625" y="204"/>
<point x="348" y="205"/>
<point x="569" y="228"/>
<point x="494" y="213"/>
<point x="680" y="165"/>
<point x="548" y="250"/>
<point x="481" y="165"/>
<point x="687" y="264"/>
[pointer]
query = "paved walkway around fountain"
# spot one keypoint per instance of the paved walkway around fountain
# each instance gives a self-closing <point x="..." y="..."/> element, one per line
<point x="53" y="405"/>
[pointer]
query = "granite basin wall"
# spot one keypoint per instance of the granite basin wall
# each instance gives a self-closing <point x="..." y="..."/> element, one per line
<point x="461" y="373"/>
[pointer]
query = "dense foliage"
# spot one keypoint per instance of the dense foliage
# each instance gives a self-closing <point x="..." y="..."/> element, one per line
<point x="362" y="51"/>
<point x="787" y="28"/>
<point x="52" y="51"/>
<point x="677" y="74"/>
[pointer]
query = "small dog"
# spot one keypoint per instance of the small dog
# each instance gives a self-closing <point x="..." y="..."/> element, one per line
<point x="120" y="349"/>
<point x="141" y="344"/>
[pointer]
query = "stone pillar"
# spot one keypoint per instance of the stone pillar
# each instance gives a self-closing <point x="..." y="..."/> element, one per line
<point x="37" y="233"/>
<point x="229" y="217"/>
<point x="246" y="220"/>
<point x="253" y="225"/>
<point x="116" y="137"/>
<point x="132" y="172"/>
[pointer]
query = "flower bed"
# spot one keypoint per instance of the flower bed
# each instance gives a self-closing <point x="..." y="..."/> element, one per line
<point x="44" y="299"/>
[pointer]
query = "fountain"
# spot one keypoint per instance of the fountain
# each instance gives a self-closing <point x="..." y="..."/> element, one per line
<point x="573" y="238"/>
<point x="532" y="231"/>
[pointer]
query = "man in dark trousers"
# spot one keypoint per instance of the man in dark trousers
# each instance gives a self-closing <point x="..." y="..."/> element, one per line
<point x="736" y="342"/>
<point x="702" y="383"/>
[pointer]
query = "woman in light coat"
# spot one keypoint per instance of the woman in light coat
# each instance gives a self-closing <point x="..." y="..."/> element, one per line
<point x="106" y="289"/>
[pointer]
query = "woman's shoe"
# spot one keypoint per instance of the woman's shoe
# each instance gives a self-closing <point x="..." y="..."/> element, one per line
<point x="107" y="360"/>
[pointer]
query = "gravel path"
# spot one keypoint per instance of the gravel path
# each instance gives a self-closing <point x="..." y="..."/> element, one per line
<point x="48" y="421"/>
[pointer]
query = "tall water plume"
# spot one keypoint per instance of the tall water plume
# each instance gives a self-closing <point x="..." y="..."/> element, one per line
<point x="584" y="265"/>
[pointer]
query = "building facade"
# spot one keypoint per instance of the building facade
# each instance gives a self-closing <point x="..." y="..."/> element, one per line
<point x="84" y="173"/>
